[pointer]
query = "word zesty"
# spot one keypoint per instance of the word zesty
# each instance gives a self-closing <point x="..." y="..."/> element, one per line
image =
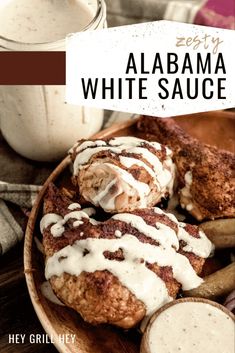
<point x="196" y="42"/>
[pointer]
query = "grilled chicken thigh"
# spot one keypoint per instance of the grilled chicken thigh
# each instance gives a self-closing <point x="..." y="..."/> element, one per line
<point x="206" y="175"/>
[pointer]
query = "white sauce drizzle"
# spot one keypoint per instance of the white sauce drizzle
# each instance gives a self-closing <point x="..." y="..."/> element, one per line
<point x="74" y="206"/>
<point x="57" y="229"/>
<point x="87" y="144"/>
<point x="132" y="271"/>
<point x="97" y="199"/>
<point x="84" y="156"/>
<point x="189" y="207"/>
<point x="129" y="162"/>
<point x="162" y="175"/>
<point x="150" y="157"/>
<point x="143" y="189"/>
<point x="188" y="177"/>
<point x="164" y="235"/>
<point x="169" y="215"/>
<point x="49" y="219"/>
<point x="118" y="234"/>
<point x="126" y="140"/>
<point x="77" y="223"/>
<point x="90" y="211"/>
<point x="199" y="246"/>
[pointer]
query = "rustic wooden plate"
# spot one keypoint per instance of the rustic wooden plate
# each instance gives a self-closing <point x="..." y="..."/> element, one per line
<point x="216" y="128"/>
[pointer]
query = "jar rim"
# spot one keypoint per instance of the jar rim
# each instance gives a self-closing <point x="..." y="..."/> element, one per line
<point x="11" y="44"/>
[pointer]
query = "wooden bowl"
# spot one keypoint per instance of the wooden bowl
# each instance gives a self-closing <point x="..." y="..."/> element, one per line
<point x="215" y="128"/>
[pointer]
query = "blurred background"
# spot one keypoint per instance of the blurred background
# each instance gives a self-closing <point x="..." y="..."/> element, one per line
<point x="215" y="13"/>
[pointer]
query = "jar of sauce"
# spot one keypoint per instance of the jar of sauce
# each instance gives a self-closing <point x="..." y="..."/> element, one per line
<point x="35" y="120"/>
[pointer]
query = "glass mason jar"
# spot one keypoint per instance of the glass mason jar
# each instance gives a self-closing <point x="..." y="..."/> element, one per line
<point x="35" y="120"/>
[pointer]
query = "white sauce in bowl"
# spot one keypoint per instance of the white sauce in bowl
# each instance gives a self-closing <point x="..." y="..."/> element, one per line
<point x="192" y="327"/>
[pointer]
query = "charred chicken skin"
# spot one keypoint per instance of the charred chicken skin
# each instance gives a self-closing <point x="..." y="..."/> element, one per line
<point x="206" y="175"/>
<point x="99" y="293"/>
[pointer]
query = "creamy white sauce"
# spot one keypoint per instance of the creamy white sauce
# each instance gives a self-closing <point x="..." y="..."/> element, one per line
<point x="199" y="246"/>
<point x="41" y="21"/>
<point x="165" y="179"/>
<point x="192" y="327"/>
<point x="132" y="271"/>
<point x="124" y="183"/>
<point x="126" y="140"/>
<point x="129" y="144"/>
<point x="74" y="206"/>
<point x="163" y="234"/>
<point x="142" y="188"/>
<point x="162" y="174"/>
<point x="189" y="207"/>
<point x="57" y="229"/>
<point x="79" y="147"/>
<point x="49" y="219"/>
<point x="90" y="211"/>
<point x="77" y="223"/>
<point x="84" y="156"/>
<point x="188" y="178"/>
<point x="150" y="157"/>
<point x="186" y="199"/>
<point x="97" y="199"/>
<point x="169" y="215"/>
<point x="118" y="234"/>
<point x="35" y="120"/>
<point x="129" y="162"/>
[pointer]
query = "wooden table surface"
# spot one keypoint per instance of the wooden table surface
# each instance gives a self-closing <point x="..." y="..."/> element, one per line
<point x="17" y="315"/>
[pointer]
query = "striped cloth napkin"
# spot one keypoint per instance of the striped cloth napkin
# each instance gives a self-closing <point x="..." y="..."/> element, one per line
<point x="22" y="195"/>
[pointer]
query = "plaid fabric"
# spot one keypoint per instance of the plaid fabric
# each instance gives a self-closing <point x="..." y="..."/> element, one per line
<point x="10" y="230"/>
<point x="22" y="195"/>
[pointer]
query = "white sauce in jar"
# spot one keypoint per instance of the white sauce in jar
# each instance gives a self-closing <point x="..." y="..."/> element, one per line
<point x="39" y="21"/>
<point x="192" y="327"/>
<point x="35" y="120"/>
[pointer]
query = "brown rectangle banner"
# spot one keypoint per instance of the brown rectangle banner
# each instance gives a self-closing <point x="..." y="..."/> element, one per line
<point x="32" y="68"/>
